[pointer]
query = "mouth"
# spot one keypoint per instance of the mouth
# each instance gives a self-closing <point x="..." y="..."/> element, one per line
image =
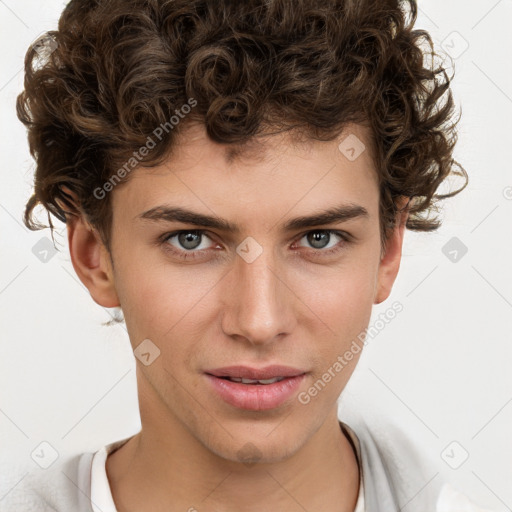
<point x="256" y="374"/>
<point x="255" y="389"/>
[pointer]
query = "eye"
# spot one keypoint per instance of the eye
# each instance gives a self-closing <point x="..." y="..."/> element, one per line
<point x="186" y="243"/>
<point x="324" y="240"/>
<point x="191" y="244"/>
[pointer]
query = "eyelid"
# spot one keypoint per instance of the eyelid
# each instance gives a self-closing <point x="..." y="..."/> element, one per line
<point x="332" y="231"/>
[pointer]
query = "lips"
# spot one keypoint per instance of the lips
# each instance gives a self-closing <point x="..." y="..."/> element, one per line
<point x="255" y="389"/>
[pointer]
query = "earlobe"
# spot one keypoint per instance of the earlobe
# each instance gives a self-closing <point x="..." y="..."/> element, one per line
<point x="91" y="262"/>
<point x="390" y="261"/>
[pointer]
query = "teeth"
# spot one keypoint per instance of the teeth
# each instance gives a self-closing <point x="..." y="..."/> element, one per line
<point x="271" y="381"/>
<point x="249" y="381"/>
<point x="254" y="381"/>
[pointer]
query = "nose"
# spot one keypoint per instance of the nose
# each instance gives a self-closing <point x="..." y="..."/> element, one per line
<point x="259" y="304"/>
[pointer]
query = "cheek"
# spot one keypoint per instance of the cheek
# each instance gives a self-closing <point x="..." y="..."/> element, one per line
<point x="160" y="301"/>
<point x="345" y="306"/>
<point x="341" y="296"/>
<point x="341" y="303"/>
<point x="146" y="294"/>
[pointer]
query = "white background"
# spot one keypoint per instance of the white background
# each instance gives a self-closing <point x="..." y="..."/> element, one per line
<point x="440" y="370"/>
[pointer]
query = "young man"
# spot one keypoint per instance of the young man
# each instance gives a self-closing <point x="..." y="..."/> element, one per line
<point x="237" y="177"/>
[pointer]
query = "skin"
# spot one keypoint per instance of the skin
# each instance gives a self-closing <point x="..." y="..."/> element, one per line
<point x="293" y="305"/>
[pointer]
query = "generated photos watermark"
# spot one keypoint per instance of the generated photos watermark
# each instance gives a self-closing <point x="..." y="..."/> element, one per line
<point x="355" y="347"/>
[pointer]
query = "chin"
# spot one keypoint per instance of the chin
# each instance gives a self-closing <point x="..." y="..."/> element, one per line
<point x="252" y="449"/>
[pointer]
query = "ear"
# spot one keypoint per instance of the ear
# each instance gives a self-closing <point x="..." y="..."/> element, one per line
<point x="91" y="261"/>
<point x="390" y="261"/>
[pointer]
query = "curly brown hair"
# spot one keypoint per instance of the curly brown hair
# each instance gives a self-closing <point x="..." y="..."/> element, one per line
<point x="117" y="69"/>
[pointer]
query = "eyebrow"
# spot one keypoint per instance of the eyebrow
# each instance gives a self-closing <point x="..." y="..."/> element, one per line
<point x="176" y="214"/>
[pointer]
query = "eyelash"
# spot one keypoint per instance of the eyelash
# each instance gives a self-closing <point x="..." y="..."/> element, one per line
<point x="193" y="254"/>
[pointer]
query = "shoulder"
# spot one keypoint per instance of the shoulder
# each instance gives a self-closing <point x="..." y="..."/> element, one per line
<point x="64" y="486"/>
<point x="392" y="470"/>
<point x="397" y="475"/>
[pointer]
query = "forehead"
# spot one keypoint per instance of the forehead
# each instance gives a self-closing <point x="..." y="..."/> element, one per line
<point x="271" y="142"/>
<point x="259" y="181"/>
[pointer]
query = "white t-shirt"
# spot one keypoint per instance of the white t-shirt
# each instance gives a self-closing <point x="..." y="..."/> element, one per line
<point x="391" y="474"/>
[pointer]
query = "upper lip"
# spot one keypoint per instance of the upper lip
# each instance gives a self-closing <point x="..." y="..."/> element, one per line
<point x="247" y="372"/>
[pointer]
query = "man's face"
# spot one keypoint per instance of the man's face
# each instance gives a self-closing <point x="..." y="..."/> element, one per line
<point x="267" y="294"/>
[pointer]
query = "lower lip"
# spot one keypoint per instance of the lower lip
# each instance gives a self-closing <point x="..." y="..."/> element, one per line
<point x="256" y="397"/>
